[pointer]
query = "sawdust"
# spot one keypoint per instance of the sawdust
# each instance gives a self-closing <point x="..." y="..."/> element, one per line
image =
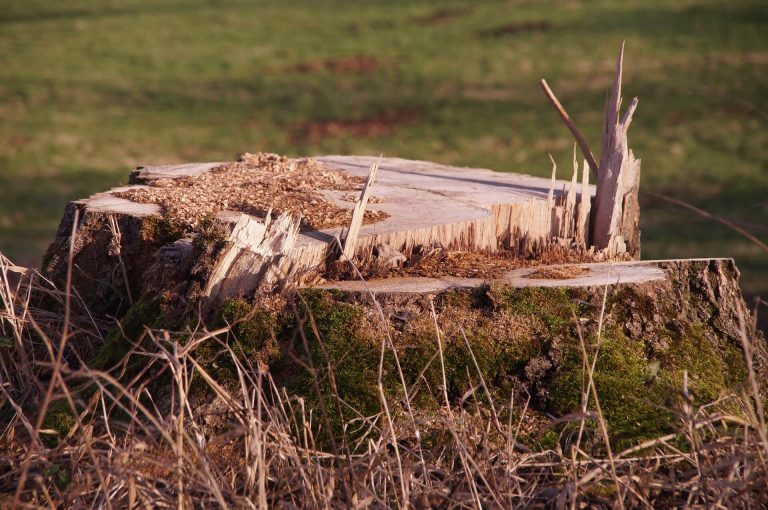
<point x="255" y="184"/>
<point x="431" y="263"/>
<point x="557" y="273"/>
<point x="436" y="261"/>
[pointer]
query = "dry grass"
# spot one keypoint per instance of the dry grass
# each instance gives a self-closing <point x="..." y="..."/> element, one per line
<point x="135" y="444"/>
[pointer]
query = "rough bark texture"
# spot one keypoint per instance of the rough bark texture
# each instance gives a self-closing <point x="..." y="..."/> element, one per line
<point x="526" y="341"/>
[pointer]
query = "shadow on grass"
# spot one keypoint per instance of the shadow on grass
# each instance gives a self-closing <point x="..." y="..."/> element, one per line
<point x="30" y="208"/>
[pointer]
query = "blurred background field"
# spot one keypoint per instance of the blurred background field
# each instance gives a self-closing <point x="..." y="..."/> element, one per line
<point x="90" y="89"/>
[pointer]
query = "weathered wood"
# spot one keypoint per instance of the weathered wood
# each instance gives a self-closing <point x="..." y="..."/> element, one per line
<point x="554" y="276"/>
<point x="147" y="174"/>
<point x="617" y="212"/>
<point x="582" y="224"/>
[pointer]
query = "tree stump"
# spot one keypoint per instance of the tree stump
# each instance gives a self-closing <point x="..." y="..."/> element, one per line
<point x="386" y="251"/>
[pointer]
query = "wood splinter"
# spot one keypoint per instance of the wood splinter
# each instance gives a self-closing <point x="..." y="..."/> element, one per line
<point x="571" y="126"/>
<point x="359" y="212"/>
<point x="614" y="228"/>
<point x="617" y="212"/>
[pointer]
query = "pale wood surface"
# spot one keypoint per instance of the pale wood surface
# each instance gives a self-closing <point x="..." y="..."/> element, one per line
<point x="108" y="203"/>
<point x="251" y="259"/>
<point x="460" y="208"/>
<point x="465" y="209"/>
<point x="597" y="274"/>
<point x="145" y="174"/>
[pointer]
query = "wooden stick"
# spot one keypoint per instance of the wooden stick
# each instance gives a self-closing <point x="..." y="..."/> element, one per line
<point x="571" y="126"/>
<point x="359" y="212"/>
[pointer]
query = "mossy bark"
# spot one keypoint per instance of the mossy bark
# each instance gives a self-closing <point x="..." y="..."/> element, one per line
<point x="527" y="342"/>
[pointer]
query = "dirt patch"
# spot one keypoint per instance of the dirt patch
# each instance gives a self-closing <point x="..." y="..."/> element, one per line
<point x="514" y="28"/>
<point x="442" y="15"/>
<point x="375" y="125"/>
<point x="356" y="64"/>
<point x="557" y="273"/>
<point x="253" y="185"/>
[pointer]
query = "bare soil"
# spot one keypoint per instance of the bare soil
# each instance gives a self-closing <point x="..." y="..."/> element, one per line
<point x="442" y="15"/>
<point x="376" y="125"/>
<point x="355" y="64"/>
<point x="254" y="185"/>
<point x="515" y="28"/>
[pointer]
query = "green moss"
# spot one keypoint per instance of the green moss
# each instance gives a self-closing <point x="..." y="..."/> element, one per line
<point x="59" y="474"/>
<point x="253" y="339"/>
<point x="506" y="328"/>
<point x="633" y="408"/>
<point x="637" y="393"/>
<point x="501" y="344"/>
<point x="160" y="230"/>
<point x="58" y="419"/>
<point x="548" y="440"/>
<point x="146" y="312"/>
<point x="353" y="355"/>
<point x="713" y="370"/>
<point x="553" y="306"/>
<point x="254" y="328"/>
<point x="337" y="343"/>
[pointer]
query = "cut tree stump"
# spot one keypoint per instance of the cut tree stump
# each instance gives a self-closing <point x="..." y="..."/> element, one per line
<point x="428" y="205"/>
<point x="412" y="207"/>
<point x="552" y="253"/>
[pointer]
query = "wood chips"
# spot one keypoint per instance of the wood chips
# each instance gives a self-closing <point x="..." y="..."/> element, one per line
<point x="253" y="185"/>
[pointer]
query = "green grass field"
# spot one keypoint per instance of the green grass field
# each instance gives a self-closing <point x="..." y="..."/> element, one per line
<point x="89" y="89"/>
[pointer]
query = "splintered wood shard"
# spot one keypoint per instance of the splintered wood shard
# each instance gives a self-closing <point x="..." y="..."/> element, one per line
<point x="616" y="217"/>
<point x="359" y="212"/>
<point x="570" y="124"/>
<point x="582" y="226"/>
<point x="570" y="202"/>
<point x="251" y="259"/>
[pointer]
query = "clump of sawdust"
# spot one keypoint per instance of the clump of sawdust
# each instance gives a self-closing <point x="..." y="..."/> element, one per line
<point x="253" y="185"/>
<point x="432" y="262"/>
<point x="557" y="273"/>
<point x="440" y="262"/>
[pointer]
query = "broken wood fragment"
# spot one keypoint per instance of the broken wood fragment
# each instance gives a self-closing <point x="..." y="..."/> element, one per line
<point x="571" y="126"/>
<point x="359" y="212"/>
<point x="617" y="211"/>
<point x="582" y="225"/>
<point x="251" y="259"/>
